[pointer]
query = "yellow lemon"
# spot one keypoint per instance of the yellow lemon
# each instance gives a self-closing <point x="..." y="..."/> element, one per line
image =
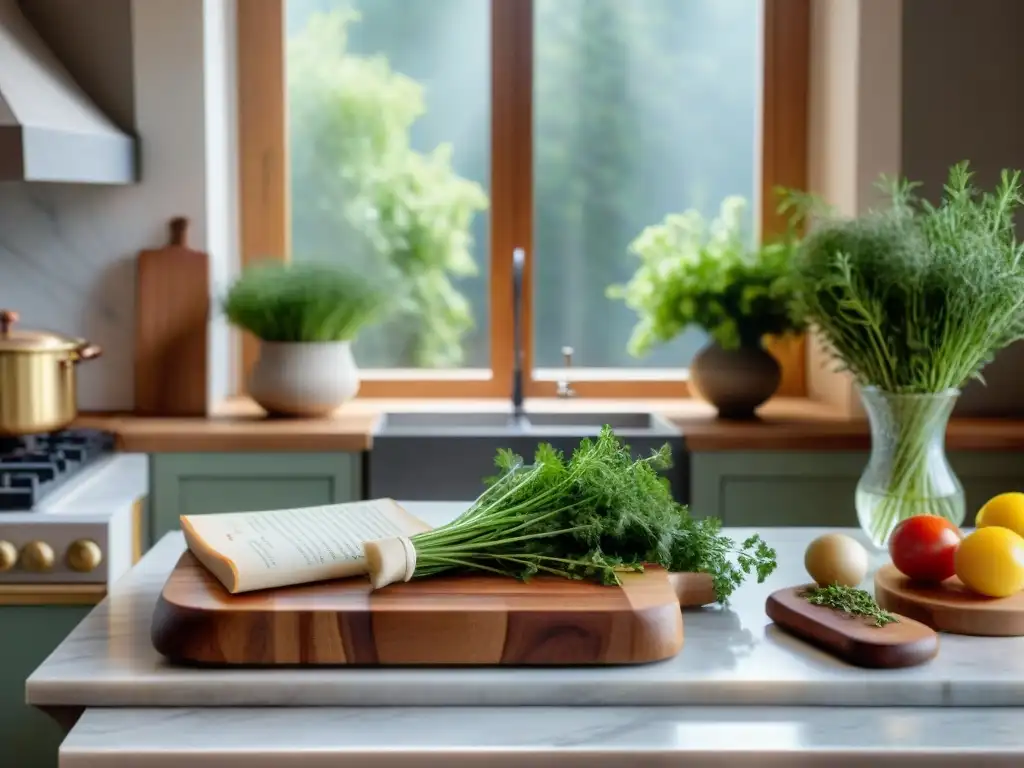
<point x="1005" y="510"/>
<point x="990" y="561"/>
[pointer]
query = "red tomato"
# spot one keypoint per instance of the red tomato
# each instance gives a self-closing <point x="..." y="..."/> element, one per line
<point x="922" y="547"/>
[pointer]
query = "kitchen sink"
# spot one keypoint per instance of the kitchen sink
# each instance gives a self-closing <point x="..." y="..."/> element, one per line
<point x="445" y="455"/>
<point x="584" y="424"/>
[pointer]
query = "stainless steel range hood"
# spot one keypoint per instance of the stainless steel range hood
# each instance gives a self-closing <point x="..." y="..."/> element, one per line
<point x="49" y="128"/>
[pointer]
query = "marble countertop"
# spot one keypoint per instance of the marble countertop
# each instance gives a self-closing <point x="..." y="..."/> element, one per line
<point x="592" y="737"/>
<point x="731" y="656"/>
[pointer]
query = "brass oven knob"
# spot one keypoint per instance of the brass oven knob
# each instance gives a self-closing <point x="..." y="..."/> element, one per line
<point x="83" y="555"/>
<point x="37" y="556"/>
<point x="8" y="555"/>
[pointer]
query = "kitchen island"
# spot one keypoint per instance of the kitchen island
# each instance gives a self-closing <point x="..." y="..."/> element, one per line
<point x="740" y="693"/>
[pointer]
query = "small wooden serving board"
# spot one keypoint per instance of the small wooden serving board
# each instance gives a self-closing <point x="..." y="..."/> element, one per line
<point x="853" y="639"/>
<point x="449" y="620"/>
<point x="950" y="606"/>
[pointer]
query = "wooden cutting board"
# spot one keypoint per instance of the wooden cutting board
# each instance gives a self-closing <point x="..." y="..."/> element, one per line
<point x="451" y="620"/>
<point x="950" y="606"/>
<point x="853" y="639"/>
<point x="171" y="316"/>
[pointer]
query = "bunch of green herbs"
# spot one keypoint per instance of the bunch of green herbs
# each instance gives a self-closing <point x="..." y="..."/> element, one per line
<point x="590" y="517"/>
<point x="696" y="273"/>
<point x="916" y="298"/>
<point x="306" y="302"/>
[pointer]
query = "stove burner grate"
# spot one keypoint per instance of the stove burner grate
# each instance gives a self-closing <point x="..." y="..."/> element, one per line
<point x="33" y="466"/>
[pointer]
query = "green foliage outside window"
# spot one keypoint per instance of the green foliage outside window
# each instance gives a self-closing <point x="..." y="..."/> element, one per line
<point x="640" y="107"/>
<point x="366" y="196"/>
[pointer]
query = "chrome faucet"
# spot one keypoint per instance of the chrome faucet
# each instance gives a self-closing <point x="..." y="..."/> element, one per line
<point x="564" y="386"/>
<point x="518" y="264"/>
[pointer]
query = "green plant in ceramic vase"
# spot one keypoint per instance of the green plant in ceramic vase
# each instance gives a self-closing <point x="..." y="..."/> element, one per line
<point x="695" y="272"/>
<point x="914" y="299"/>
<point x="306" y="316"/>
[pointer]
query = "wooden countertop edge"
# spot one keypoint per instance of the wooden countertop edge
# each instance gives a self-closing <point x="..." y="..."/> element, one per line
<point x="236" y="433"/>
<point x="52" y="594"/>
<point x="140" y="439"/>
<point x="787" y="424"/>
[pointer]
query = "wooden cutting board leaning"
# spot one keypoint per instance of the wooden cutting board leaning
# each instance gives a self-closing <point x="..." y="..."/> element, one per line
<point x="444" y="620"/>
<point x="171" y="318"/>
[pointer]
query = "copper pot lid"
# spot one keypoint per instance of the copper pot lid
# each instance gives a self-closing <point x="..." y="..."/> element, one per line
<point x="21" y="340"/>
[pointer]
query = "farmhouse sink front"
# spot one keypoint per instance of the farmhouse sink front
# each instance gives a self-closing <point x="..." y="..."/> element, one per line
<point x="582" y="424"/>
<point x="441" y="456"/>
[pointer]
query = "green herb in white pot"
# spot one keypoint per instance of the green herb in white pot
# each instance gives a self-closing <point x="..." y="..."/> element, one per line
<point x="707" y="274"/>
<point x="306" y="316"/>
<point x="914" y="299"/>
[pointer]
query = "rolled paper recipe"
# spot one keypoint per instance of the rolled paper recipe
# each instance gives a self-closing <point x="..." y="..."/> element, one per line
<point x="248" y="551"/>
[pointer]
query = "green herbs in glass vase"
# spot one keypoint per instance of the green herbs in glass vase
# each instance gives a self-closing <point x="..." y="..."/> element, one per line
<point x="708" y="274"/>
<point x="914" y="299"/>
<point x="305" y="316"/>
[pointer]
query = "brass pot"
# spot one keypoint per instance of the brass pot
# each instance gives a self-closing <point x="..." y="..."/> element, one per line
<point x="38" y="383"/>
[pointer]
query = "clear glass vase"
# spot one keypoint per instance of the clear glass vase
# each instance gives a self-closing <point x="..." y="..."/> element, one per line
<point x="908" y="473"/>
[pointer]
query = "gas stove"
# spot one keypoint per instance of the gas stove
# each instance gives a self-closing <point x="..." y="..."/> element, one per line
<point x="87" y="523"/>
<point x="32" y="467"/>
<point x="68" y="511"/>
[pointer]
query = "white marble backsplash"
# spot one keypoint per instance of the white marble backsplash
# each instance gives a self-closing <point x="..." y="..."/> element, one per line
<point x="67" y="252"/>
<point x="67" y="265"/>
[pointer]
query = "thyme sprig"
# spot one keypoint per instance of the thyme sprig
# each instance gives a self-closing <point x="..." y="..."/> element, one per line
<point x="856" y="602"/>
<point x="590" y="517"/>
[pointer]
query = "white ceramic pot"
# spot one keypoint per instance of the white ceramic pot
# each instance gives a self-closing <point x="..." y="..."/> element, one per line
<point x="303" y="378"/>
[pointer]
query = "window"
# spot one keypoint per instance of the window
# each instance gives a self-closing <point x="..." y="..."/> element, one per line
<point x="440" y="135"/>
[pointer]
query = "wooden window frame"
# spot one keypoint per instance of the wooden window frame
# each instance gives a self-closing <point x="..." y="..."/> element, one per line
<point x="265" y="215"/>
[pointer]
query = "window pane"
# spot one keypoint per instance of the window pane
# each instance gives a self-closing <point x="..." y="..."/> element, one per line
<point x="641" y="108"/>
<point x="379" y="92"/>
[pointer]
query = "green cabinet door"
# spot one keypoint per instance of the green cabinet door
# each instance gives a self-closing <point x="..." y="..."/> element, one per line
<point x="205" y="483"/>
<point x="987" y="474"/>
<point x="767" y="488"/>
<point x="778" y="488"/>
<point x="28" y="634"/>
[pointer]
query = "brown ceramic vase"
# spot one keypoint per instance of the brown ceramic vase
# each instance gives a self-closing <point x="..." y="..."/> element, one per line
<point x="735" y="381"/>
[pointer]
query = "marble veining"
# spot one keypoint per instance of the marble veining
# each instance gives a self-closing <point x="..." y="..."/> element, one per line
<point x="731" y="656"/>
<point x="606" y="737"/>
<point x="65" y="268"/>
<point x="67" y="251"/>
